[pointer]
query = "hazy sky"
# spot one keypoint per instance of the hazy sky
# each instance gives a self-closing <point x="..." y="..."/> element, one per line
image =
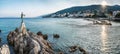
<point x="32" y="8"/>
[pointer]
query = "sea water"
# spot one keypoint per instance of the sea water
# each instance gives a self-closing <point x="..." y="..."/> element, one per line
<point x="95" y="39"/>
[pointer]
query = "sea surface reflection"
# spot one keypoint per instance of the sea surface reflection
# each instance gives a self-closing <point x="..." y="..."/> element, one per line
<point x="95" y="39"/>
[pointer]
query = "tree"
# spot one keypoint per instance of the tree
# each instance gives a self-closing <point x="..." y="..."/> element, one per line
<point x="117" y="15"/>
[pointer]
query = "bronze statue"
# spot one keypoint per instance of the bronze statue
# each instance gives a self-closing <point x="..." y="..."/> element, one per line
<point x="22" y="15"/>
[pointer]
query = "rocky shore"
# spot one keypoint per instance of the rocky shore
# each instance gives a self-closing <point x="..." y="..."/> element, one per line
<point x="4" y="49"/>
<point x="23" y="41"/>
<point x="26" y="42"/>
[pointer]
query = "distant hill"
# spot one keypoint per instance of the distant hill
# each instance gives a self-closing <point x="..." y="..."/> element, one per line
<point x="84" y="8"/>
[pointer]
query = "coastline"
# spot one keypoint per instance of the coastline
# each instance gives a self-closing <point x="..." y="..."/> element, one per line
<point x="77" y="32"/>
<point x="21" y="37"/>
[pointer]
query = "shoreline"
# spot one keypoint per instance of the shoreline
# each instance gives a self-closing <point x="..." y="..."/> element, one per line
<point x="21" y="40"/>
<point x="62" y="44"/>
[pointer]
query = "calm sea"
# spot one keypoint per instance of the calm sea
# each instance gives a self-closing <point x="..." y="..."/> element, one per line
<point x="95" y="39"/>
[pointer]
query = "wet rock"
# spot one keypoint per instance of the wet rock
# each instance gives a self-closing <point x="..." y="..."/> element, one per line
<point x="56" y="36"/>
<point x="26" y="42"/>
<point x="82" y="50"/>
<point x="0" y="39"/>
<point x="30" y="33"/>
<point x="73" y="48"/>
<point x="45" y="36"/>
<point x="4" y="49"/>
<point x="28" y="29"/>
<point x="60" y="53"/>
<point x="0" y="31"/>
<point x="39" y="33"/>
<point x="16" y="30"/>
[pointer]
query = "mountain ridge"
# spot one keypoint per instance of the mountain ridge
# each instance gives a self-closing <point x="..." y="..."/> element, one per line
<point x="84" y="8"/>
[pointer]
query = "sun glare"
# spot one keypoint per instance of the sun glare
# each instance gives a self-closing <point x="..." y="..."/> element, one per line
<point x="104" y="3"/>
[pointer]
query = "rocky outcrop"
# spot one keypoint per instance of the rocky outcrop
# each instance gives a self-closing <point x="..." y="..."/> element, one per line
<point x="4" y="49"/>
<point x="56" y="36"/>
<point x="0" y="31"/>
<point x="26" y="42"/>
<point x="0" y="40"/>
<point x="75" y="48"/>
<point x="45" y="36"/>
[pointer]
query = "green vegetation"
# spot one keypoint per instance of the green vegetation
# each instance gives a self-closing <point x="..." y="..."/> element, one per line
<point x="117" y="15"/>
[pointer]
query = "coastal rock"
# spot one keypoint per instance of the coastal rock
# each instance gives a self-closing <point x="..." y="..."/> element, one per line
<point x="4" y="49"/>
<point x="0" y="31"/>
<point x="32" y="44"/>
<point x="75" y="48"/>
<point x="60" y="53"/>
<point x="82" y="50"/>
<point x="56" y="36"/>
<point x="39" y="33"/>
<point x="45" y="36"/>
<point x="0" y="39"/>
<point x="26" y="42"/>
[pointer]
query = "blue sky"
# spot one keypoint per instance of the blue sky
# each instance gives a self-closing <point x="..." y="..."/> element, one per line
<point x="33" y="8"/>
